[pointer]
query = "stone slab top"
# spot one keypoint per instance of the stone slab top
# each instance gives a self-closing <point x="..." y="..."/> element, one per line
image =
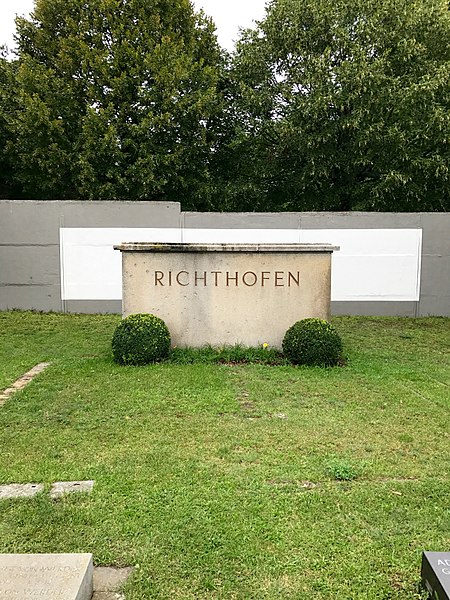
<point x="20" y="490"/>
<point x="169" y="247"/>
<point x="59" y="488"/>
<point x="49" y="576"/>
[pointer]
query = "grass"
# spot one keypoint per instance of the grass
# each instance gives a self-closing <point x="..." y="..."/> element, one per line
<point x="227" y="480"/>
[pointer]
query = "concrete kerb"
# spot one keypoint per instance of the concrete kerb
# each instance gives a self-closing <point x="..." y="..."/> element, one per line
<point x="23" y="381"/>
<point x="58" y="489"/>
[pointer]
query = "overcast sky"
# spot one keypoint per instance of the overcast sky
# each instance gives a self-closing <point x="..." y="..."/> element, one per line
<point x="228" y="16"/>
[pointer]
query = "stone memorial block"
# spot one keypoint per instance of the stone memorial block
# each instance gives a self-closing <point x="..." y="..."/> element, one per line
<point x="225" y="294"/>
<point x="46" y="576"/>
<point x="435" y="574"/>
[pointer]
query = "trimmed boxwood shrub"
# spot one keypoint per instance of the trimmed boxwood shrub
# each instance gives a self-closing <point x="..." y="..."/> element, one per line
<point x="140" y="339"/>
<point x="312" y="342"/>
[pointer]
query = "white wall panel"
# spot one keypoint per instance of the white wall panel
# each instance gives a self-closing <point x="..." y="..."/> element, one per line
<point x="90" y="267"/>
<point x="372" y="264"/>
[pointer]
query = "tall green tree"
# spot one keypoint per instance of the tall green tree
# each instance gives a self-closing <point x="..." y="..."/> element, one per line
<point x="344" y="105"/>
<point x="117" y="99"/>
<point x="8" y="110"/>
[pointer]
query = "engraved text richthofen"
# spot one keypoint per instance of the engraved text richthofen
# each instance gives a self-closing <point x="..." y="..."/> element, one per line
<point x="227" y="278"/>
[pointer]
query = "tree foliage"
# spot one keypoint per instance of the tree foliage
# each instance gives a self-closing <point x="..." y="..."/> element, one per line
<point x="116" y="98"/>
<point x="325" y="105"/>
<point x="345" y="105"/>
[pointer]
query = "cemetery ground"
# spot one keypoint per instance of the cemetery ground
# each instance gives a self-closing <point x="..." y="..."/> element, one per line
<point x="232" y="481"/>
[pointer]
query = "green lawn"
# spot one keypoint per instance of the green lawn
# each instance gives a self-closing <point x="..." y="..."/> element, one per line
<point x="217" y="480"/>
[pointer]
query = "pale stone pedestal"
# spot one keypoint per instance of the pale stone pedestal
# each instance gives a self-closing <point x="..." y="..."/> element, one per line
<point x="46" y="576"/>
<point x="226" y="294"/>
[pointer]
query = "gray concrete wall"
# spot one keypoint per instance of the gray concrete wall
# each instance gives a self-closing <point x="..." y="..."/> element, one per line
<point x="29" y="246"/>
<point x="30" y="262"/>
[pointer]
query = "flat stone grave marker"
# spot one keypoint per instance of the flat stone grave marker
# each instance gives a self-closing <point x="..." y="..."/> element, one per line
<point x="59" y="488"/>
<point x="436" y="574"/>
<point x="46" y="576"/>
<point x="20" y="490"/>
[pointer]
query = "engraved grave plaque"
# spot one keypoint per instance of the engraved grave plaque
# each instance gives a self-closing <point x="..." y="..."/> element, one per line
<point x="436" y="574"/>
<point x="46" y="576"/>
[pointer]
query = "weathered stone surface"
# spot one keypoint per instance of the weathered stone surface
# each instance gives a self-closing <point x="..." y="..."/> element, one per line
<point x="59" y="488"/>
<point x="20" y="490"/>
<point x="227" y="293"/>
<point x="46" y="576"/>
<point x="109" y="579"/>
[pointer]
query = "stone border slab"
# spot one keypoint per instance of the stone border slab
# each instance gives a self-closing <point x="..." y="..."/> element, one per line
<point x="49" y="576"/>
<point x="20" y="383"/>
<point x="20" y="490"/>
<point x="59" y="488"/>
